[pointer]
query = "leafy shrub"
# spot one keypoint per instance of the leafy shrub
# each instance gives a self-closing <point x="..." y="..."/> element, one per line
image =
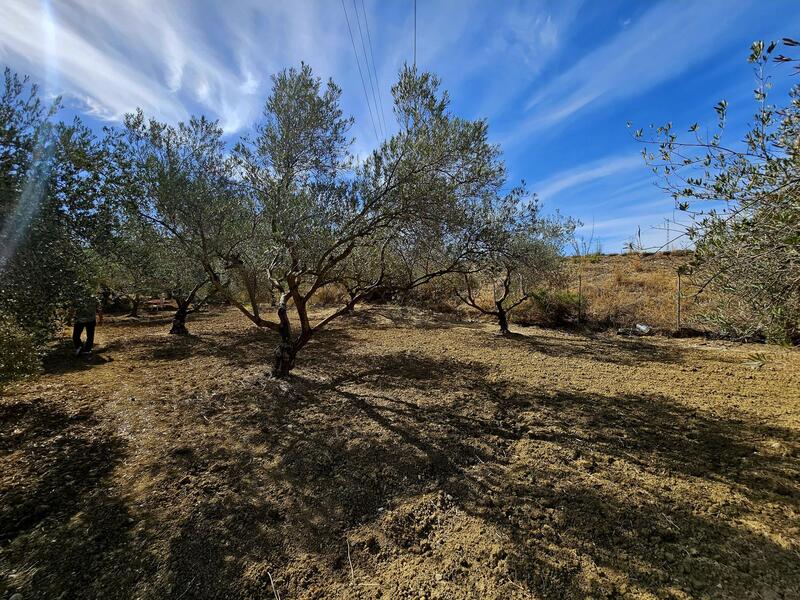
<point x="548" y="307"/>
<point x="438" y="295"/>
<point x="331" y="294"/>
<point x="19" y="353"/>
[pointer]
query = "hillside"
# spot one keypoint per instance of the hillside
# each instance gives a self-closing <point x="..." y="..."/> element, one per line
<point x="621" y="290"/>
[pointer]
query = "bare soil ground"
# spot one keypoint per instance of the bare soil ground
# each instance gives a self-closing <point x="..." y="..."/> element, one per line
<point x="409" y="457"/>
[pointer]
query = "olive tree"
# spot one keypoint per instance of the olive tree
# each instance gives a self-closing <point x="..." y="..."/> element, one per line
<point x="175" y="208"/>
<point x="747" y="237"/>
<point x="520" y="252"/>
<point x="187" y="284"/>
<point x="129" y="262"/>
<point x="291" y="208"/>
<point x="53" y="177"/>
<point x="408" y="210"/>
<point x="138" y="261"/>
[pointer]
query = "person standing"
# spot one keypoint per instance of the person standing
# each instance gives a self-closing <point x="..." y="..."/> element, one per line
<point x="87" y="311"/>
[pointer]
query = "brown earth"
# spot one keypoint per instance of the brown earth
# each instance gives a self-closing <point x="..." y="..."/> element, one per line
<point x="409" y="457"/>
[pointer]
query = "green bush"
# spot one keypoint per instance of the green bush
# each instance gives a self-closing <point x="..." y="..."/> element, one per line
<point x="548" y="307"/>
<point x="19" y="353"/>
<point x="439" y="295"/>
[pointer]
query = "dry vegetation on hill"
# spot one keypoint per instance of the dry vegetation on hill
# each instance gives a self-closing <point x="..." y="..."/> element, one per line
<point x="618" y="290"/>
<point x="410" y="456"/>
<point x="625" y="289"/>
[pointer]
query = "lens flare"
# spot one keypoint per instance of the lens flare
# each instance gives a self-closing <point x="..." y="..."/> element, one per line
<point x="37" y="178"/>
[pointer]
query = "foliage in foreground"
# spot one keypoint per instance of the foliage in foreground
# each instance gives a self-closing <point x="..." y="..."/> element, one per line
<point x="748" y="246"/>
<point x="51" y="186"/>
<point x="19" y="352"/>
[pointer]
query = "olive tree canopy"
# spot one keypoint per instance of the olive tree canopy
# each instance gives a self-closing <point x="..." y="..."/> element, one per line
<point x="520" y="253"/>
<point x="743" y="200"/>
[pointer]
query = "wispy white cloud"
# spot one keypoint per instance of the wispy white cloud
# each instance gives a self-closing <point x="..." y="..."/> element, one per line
<point x="515" y="45"/>
<point x="611" y="200"/>
<point x="656" y="223"/>
<point x="178" y="57"/>
<point x="43" y="44"/>
<point x="654" y="231"/>
<point x="667" y="40"/>
<point x="618" y="224"/>
<point x="169" y="58"/>
<point x="586" y="173"/>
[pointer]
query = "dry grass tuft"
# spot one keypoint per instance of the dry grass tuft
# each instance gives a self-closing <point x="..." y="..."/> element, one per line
<point x="622" y="290"/>
<point x="331" y="294"/>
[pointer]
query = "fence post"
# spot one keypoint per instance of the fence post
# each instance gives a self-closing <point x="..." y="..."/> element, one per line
<point x="678" y="303"/>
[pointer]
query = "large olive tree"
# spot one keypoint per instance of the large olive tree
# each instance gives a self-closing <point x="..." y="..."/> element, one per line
<point x="291" y="207"/>
<point x="316" y="208"/>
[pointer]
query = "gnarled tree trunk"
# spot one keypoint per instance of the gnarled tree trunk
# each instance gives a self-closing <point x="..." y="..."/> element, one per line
<point x="134" y="306"/>
<point x="105" y="301"/>
<point x="351" y="306"/>
<point x="179" y="320"/>
<point x="286" y="351"/>
<point x="502" y="317"/>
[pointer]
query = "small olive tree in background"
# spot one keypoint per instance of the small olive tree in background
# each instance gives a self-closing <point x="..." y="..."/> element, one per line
<point x="521" y="253"/>
<point x="138" y="261"/>
<point x="189" y="287"/>
<point x="747" y="243"/>
<point x="173" y="211"/>
<point x="129" y="261"/>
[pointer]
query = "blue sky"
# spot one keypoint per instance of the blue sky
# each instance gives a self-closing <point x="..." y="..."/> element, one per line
<point x="557" y="81"/>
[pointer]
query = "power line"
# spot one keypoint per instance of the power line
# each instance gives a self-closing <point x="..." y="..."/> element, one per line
<point x="361" y="74"/>
<point x="374" y="68"/>
<point x="415" y="34"/>
<point x="369" y="71"/>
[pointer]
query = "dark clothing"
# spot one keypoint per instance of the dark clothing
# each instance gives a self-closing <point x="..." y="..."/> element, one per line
<point x="86" y="310"/>
<point x="77" y="330"/>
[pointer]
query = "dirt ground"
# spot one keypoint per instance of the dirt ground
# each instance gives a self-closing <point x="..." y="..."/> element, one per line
<point x="409" y="457"/>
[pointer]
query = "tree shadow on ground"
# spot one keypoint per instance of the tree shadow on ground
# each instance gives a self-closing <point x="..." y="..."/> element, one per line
<point x="296" y="482"/>
<point x="158" y="319"/>
<point x="601" y="348"/>
<point x="399" y="317"/>
<point x="239" y="349"/>
<point x="64" y="533"/>
<point x="654" y="437"/>
<point x="374" y="458"/>
<point x="596" y="495"/>
<point x="61" y="359"/>
<point x="654" y="433"/>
